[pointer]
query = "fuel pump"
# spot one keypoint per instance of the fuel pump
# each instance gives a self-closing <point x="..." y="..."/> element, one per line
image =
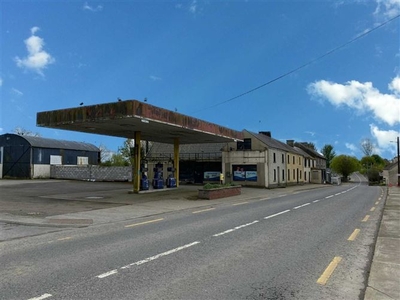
<point x="158" y="181"/>
<point x="144" y="181"/>
<point x="171" y="180"/>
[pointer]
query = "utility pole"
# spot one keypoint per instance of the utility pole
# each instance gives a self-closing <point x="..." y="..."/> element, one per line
<point x="398" y="163"/>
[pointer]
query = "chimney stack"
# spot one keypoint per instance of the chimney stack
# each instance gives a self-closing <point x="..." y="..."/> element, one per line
<point x="267" y="133"/>
<point x="290" y="143"/>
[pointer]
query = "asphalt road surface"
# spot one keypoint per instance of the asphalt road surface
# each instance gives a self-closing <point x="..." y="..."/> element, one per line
<point x="312" y="245"/>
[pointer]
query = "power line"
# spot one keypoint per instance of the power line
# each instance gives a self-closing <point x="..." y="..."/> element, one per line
<point x="306" y="64"/>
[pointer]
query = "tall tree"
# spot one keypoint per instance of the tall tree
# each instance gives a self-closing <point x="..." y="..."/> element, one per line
<point x="310" y="145"/>
<point x="23" y="131"/>
<point x="367" y="147"/>
<point x="329" y="154"/>
<point x="345" y="165"/>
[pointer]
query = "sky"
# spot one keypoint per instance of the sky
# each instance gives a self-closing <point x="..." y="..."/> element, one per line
<point x="326" y="72"/>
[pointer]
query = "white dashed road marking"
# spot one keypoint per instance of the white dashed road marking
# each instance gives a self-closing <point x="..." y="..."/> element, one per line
<point x="107" y="274"/>
<point x="236" y="228"/>
<point x="44" y="296"/>
<point x="277" y="214"/>
<point x="140" y="262"/>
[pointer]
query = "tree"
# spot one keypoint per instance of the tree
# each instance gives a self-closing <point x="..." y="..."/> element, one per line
<point x="329" y="154"/>
<point x="116" y="160"/>
<point x="310" y="145"/>
<point x="105" y="153"/>
<point x="23" y="131"/>
<point x="367" y="147"/>
<point x="345" y="165"/>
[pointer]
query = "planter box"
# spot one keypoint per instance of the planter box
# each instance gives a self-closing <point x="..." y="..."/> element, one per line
<point x="220" y="192"/>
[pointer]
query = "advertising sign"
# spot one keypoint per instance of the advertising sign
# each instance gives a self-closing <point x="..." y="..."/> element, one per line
<point x="211" y="176"/>
<point x="244" y="172"/>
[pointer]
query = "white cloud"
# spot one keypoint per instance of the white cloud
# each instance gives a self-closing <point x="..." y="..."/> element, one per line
<point x="387" y="8"/>
<point x="37" y="59"/>
<point x="155" y="78"/>
<point x="16" y="92"/>
<point x="193" y="6"/>
<point x="394" y="86"/>
<point x="352" y="147"/>
<point x="86" y="6"/>
<point x="34" y="30"/>
<point x="386" y="139"/>
<point x="362" y="97"/>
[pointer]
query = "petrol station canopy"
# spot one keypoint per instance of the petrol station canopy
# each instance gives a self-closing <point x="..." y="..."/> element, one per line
<point x="124" y="118"/>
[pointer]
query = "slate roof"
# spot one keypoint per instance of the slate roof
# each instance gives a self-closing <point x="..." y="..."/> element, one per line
<point x="310" y="151"/>
<point x="273" y="143"/>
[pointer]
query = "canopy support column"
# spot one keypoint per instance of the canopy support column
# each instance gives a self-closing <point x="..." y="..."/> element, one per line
<point x="176" y="160"/>
<point x="136" y="164"/>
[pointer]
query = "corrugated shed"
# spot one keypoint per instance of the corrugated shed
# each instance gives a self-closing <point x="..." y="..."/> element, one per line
<point x="39" y="142"/>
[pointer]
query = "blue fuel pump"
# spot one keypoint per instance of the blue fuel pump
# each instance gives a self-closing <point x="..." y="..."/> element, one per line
<point x="144" y="181"/>
<point x="171" y="180"/>
<point x="158" y="181"/>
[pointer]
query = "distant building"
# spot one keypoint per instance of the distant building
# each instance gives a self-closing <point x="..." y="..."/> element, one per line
<point x="31" y="157"/>
<point x="390" y="173"/>
<point x="262" y="161"/>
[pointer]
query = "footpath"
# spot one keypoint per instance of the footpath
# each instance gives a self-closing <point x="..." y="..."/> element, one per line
<point x="384" y="277"/>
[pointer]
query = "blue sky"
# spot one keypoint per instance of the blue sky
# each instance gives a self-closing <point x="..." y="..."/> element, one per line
<point x="194" y="56"/>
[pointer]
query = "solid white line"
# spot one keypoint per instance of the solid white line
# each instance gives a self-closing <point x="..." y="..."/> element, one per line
<point x="236" y="228"/>
<point x="277" y="214"/>
<point x="315" y="201"/>
<point x="140" y="262"/>
<point x="44" y="296"/>
<point x="107" y="274"/>
<point x="329" y="197"/>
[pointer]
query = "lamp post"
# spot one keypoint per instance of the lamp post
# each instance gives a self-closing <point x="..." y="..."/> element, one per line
<point x="398" y="163"/>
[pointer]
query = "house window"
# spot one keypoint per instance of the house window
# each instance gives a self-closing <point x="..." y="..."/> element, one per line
<point x="245" y="145"/>
<point x="274" y="175"/>
<point x="283" y="158"/>
<point x="283" y="175"/>
<point x="300" y="175"/>
<point x="288" y="175"/>
<point x="294" y="174"/>
<point x="294" y="160"/>
<point x="305" y="176"/>
<point x="274" y="158"/>
<point x="299" y="160"/>
<point x="288" y="160"/>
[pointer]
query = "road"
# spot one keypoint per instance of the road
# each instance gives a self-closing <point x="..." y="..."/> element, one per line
<point x="311" y="245"/>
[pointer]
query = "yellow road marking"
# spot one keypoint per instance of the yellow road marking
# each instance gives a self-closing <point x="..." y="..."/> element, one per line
<point x="365" y="218"/>
<point x="66" y="238"/>
<point x="329" y="270"/>
<point x="353" y="236"/>
<point x="372" y="209"/>
<point x="199" y="211"/>
<point x="240" y="203"/>
<point x="142" y="223"/>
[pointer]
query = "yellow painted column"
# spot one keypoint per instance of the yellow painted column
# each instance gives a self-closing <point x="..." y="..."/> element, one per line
<point x="136" y="167"/>
<point x="176" y="160"/>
